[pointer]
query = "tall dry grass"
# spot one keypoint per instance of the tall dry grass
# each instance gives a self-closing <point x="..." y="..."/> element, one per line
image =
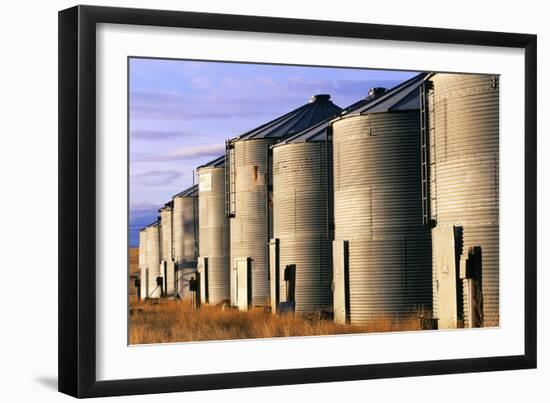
<point x="176" y="321"/>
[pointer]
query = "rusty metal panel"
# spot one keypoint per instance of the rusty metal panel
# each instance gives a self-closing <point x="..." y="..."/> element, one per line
<point x="464" y="172"/>
<point x="302" y="207"/>
<point x="378" y="209"/>
<point x="214" y="232"/>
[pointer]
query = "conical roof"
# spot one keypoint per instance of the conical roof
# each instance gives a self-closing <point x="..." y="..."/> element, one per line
<point x="215" y="163"/>
<point x="319" y="108"/>
<point x="404" y="96"/>
<point x="189" y="192"/>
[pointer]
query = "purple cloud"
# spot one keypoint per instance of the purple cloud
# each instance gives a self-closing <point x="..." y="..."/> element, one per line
<point x="156" y="178"/>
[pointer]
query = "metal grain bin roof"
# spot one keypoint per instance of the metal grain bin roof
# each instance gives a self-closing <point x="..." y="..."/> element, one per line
<point x="192" y="191"/>
<point x="217" y="162"/>
<point x="319" y="108"/>
<point x="403" y="97"/>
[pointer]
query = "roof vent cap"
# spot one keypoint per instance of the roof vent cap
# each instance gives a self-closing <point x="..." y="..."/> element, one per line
<point x="375" y="92"/>
<point x="319" y="98"/>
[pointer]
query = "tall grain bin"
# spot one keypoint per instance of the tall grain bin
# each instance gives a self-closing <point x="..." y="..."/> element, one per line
<point x="167" y="267"/>
<point x="152" y="268"/>
<point x="186" y="228"/>
<point x="300" y="253"/>
<point x="303" y="219"/>
<point x="213" y="262"/>
<point x="142" y="262"/>
<point x="382" y="250"/>
<point x="463" y="115"/>
<point x="249" y="180"/>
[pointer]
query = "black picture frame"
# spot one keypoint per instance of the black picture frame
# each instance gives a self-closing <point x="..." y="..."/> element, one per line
<point x="77" y="208"/>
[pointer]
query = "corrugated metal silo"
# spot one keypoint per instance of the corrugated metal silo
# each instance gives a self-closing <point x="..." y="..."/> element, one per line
<point x="249" y="177"/>
<point x="303" y="218"/>
<point x="463" y="111"/>
<point x="214" y="233"/>
<point x="167" y="266"/>
<point x="185" y="230"/>
<point x="382" y="249"/>
<point x="152" y="269"/>
<point x="301" y="253"/>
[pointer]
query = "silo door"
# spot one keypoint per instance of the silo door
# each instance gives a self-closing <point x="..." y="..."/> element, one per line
<point x="243" y="268"/>
<point x="339" y="282"/>
<point x="443" y="239"/>
<point x="274" y="274"/>
<point x="203" y="276"/>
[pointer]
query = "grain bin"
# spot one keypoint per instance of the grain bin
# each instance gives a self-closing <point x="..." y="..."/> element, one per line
<point x="152" y="268"/>
<point x="382" y="250"/>
<point x="185" y="228"/>
<point x="167" y="267"/>
<point x="249" y="177"/>
<point x="463" y="115"/>
<point x="301" y="254"/>
<point x="142" y="262"/>
<point x="303" y="220"/>
<point x="214" y="233"/>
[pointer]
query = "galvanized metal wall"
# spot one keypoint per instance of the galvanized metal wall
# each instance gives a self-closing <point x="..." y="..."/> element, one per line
<point x="464" y="176"/>
<point x="378" y="209"/>
<point x="142" y="260"/>
<point x="185" y="233"/>
<point x="250" y="228"/>
<point x="166" y="241"/>
<point x="302" y="219"/>
<point x="153" y="260"/>
<point x="214" y="232"/>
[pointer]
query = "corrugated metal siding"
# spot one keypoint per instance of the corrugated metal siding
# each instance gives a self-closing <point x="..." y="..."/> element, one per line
<point x="185" y="222"/>
<point x="377" y="207"/>
<point x="302" y="208"/>
<point x="153" y="260"/>
<point x="250" y="229"/>
<point x="464" y="171"/>
<point x="142" y="262"/>
<point x="214" y="233"/>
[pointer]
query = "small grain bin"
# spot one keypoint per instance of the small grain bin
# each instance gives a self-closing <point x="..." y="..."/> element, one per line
<point x="185" y="232"/>
<point x="142" y="262"/>
<point x="167" y="266"/>
<point x="462" y="111"/>
<point x="382" y="250"/>
<point x="213" y="263"/>
<point x="153" y="277"/>
<point x="248" y="170"/>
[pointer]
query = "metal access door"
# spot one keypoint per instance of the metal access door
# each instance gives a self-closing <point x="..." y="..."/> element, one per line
<point x="243" y="268"/>
<point x="274" y="274"/>
<point x="443" y="239"/>
<point x="339" y="282"/>
<point x="203" y="276"/>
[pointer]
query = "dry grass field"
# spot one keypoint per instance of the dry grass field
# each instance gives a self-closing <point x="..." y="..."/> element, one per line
<point x="176" y="321"/>
<point x="168" y="321"/>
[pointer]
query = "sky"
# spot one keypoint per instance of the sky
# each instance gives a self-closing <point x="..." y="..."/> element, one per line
<point x="181" y="112"/>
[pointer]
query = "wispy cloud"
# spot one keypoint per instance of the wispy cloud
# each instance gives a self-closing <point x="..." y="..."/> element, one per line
<point x="159" y="135"/>
<point x="156" y="178"/>
<point x="180" y="154"/>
